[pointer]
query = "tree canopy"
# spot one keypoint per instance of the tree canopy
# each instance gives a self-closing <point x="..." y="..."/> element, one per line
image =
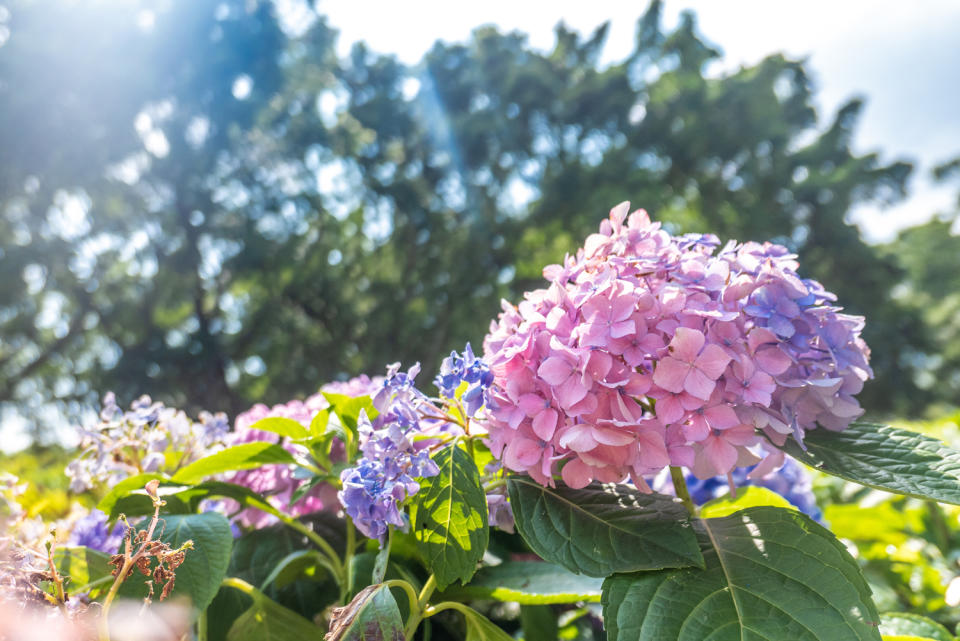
<point x="201" y="205"/>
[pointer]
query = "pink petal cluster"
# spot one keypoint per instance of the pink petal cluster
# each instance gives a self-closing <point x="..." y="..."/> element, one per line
<point x="648" y="350"/>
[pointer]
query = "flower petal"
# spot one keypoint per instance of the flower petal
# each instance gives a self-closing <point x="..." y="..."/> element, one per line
<point x="713" y="361"/>
<point x="555" y="370"/>
<point x="577" y="474"/>
<point x="545" y="423"/>
<point x="670" y="374"/>
<point x="699" y="384"/>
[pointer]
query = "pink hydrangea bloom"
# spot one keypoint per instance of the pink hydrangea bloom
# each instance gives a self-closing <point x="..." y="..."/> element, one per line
<point x="647" y="350"/>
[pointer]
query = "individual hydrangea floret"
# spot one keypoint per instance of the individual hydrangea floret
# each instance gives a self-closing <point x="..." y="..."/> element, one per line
<point x="648" y="350"/>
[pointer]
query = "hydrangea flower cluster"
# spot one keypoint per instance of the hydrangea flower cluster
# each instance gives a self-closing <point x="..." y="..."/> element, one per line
<point x="648" y="350"/>
<point x="91" y="529"/>
<point x="467" y="368"/>
<point x="277" y="482"/>
<point x="150" y="437"/>
<point x="384" y="476"/>
<point x="396" y="445"/>
<point x="791" y="481"/>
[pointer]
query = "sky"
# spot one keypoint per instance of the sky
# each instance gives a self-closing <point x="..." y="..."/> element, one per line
<point x="904" y="57"/>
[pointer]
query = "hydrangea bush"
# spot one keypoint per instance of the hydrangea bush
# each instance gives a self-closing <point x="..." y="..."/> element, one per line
<point x="626" y="458"/>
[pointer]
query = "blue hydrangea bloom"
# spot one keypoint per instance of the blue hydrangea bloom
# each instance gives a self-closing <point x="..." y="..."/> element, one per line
<point x="375" y="488"/>
<point x="791" y="482"/>
<point x="468" y="368"/>
<point x="91" y="531"/>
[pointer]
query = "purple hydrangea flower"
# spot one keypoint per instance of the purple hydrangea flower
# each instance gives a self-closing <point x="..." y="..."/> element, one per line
<point x="383" y="478"/>
<point x="93" y="532"/>
<point x="790" y="481"/>
<point x="470" y="369"/>
<point x="126" y="443"/>
<point x="375" y="488"/>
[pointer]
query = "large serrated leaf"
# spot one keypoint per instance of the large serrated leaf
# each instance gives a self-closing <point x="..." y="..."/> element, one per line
<point x="239" y="457"/>
<point x="771" y="575"/>
<point x="450" y="518"/>
<point x="602" y="529"/>
<point x="205" y="565"/>
<point x="529" y="583"/>
<point x="884" y="457"/>
<point x="267" y="620"/>
<point x="909" y="624"/>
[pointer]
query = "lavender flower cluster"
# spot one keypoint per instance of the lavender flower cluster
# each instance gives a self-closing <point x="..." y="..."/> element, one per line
<point x="150" y="437"/>
<point x="648" y="350"/>
<point x="375" y="488"/>
<point x="396" y="445"/>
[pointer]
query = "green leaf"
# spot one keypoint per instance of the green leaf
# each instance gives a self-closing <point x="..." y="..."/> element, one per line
<point x="771" y="575"/>
<point x="602" y="529"/>
<point x="529" y="583"/>
<point x="347" y="408"/>
<point x="282" y="426"/>
<point x="226" y="607"/>
<point x="318" y="425"/>
<point x="884" y="457"/>
<point x="905" y="637"/>
<point x="372" y="615"/>
<point x="205" y="565"/>
<point x="294" y="565"/>
<point x="538" y="622"/>
<point x="239" y="457"/>
<point x="271" y="558"/>
<point x="749" y="496"/>
<point x="267" y="620"/>
<point x="480" y="628"/>
<point x="124" y="488"/>
<point x="908" y="624"/>
<point x="88" y="570"/>
<point x="449" y="518"/>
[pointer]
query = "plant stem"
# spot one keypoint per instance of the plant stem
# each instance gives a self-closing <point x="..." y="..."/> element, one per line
<point x="418" y="609"/>
<point x="411" y="593"/>
<point x="348" y="560"/>
<point x="57" y="579"/>
<point x="427" y="591"/>
<point x="382" y="558"/>
<point x="202" y="626"/>
<point x="680" y="487"/>
<point x="243" y="586"/>
<point x="103" y="623"/>
<point x="448" y="605"/>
